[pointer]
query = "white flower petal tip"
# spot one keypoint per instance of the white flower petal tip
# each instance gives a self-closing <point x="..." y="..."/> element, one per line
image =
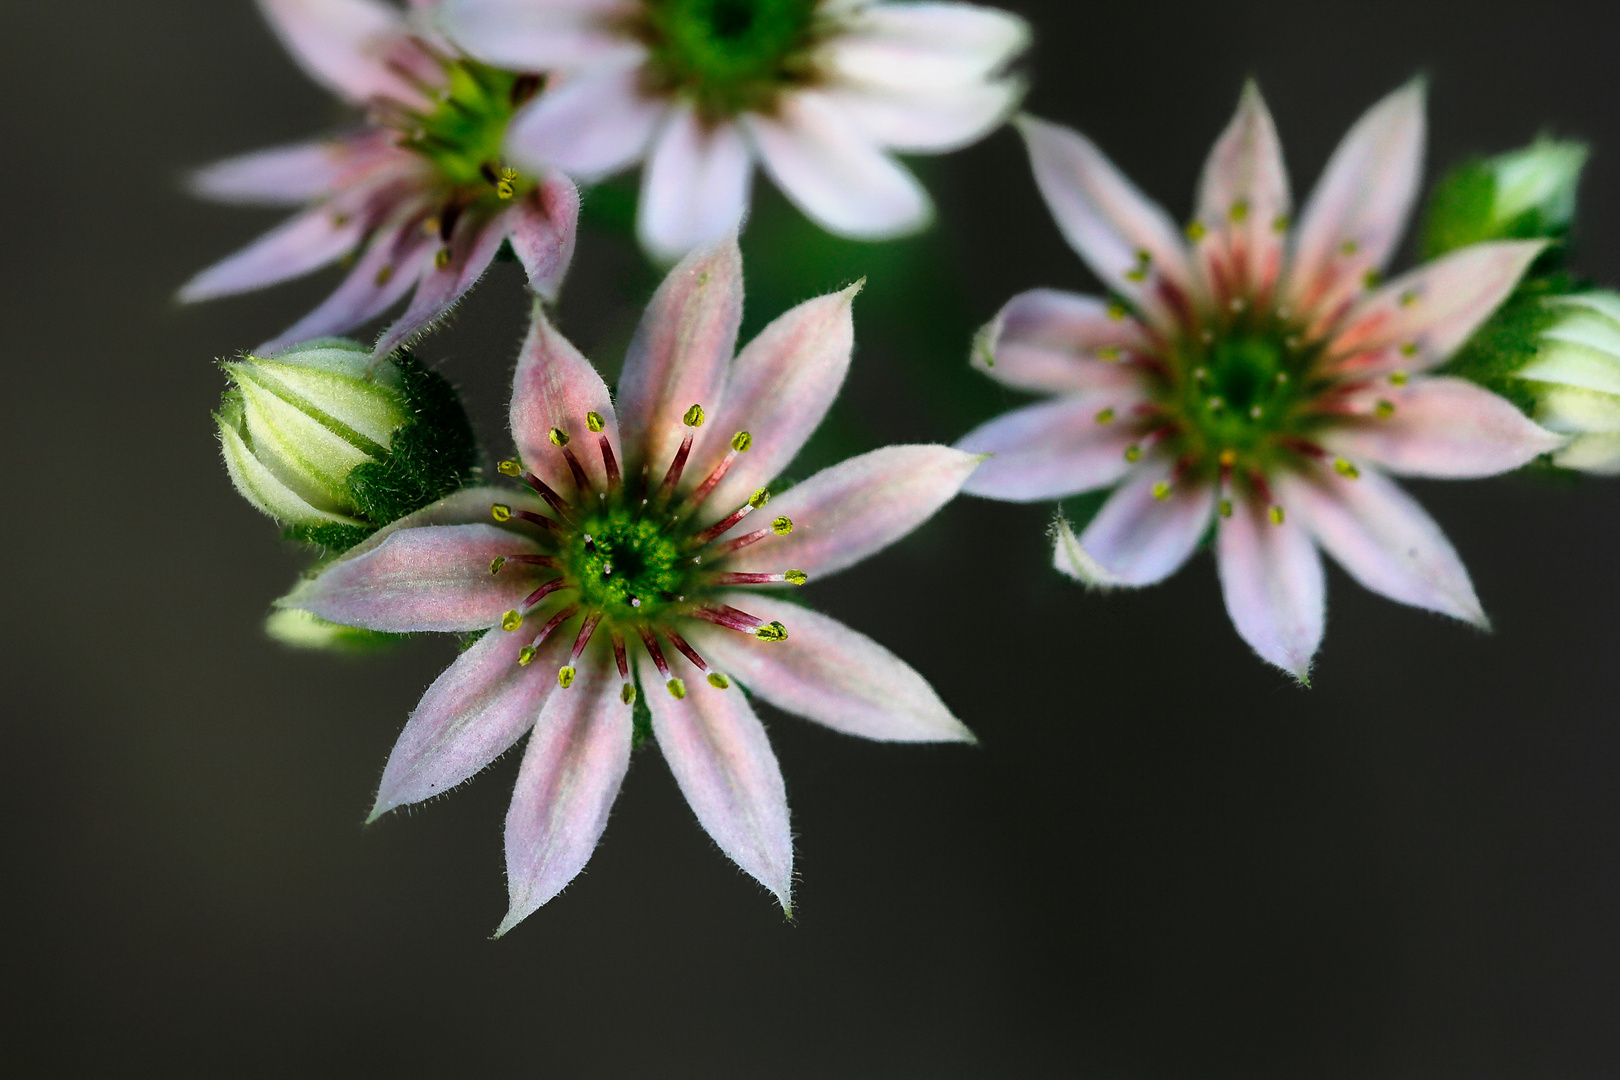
<point x="1073" y="560"/>
<point x="1273" y="585"/>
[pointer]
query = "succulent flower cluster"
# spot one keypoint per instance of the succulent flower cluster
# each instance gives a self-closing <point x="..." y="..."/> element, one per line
<point x="1250" y="380"/>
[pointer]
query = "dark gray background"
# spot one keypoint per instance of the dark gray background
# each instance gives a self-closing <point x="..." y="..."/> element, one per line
<point x="1164" y="861"/>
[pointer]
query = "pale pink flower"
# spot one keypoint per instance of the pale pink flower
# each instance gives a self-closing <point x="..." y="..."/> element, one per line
<point x="819" y="92"/>
<point x="419" y="196"/>
<point x="637" y="555"/>
<point x="1257" y="377"/>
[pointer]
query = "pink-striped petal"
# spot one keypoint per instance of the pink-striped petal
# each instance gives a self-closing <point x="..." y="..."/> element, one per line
<point x="1054" y="449"/>
<point x="390" y="267"/>
<point x="856" y="508"/>
<point x="695" y="186"/>
<point x="1126" y="239"/>
<point x="556" y="389"/>
<point x="828" y="673"/>
<point x="590" y="126"/>
<point x="1438" y="426"/>
<point x="1271" y="577"/>
<point x="717" y="749"/>
<point x="680" y="352"/>
<point x="1418" y="320"/>
<point x="343" y="44"/>
<point x="834" y="172"/>
<point x="1243" y="205"/>
<point x="1355" y="216"/>
<point x="542" y="229"/>
<point x="279" y="176"/>
<point x="469" y="506"/>
<point x="1383" y="539"/>
<point x="471" y="715"/>
<point x="577" y="756"/>
<point x="433" y="578"/>
<point x="1057" y="342"/>
<point x="1139" y="538"/>
<point x="292" y="249"/>
<point x="781" y="386"/>
<point x="472" y="249"/>
<point x="540" y="35"/>
<point x="927" y="46"/>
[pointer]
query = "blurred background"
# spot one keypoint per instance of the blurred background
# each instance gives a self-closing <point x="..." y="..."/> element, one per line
<point x="1164" y="860"/>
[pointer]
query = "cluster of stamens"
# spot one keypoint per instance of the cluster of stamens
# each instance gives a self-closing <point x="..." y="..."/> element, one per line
<point x="626" y="559"/>
<point x="1240" y="387"/>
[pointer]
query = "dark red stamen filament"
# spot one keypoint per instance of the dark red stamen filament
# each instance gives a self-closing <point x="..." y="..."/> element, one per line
<point x="654" y="651"/>
<point x="686" y="649"/>
<point x="542" y="592"/>
<point x="729" y="617"/>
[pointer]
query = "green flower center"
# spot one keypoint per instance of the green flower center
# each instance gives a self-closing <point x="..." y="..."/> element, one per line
<point x="463" y="135"/>
<point x="626" y="567"/>
<point x="1241" y="395"/>
<point x="730" y="56"/>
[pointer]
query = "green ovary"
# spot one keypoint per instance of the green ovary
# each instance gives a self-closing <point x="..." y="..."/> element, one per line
<point x="625" y="567"/>
<point x="730" y="56"/>
<point x="1241" y="395"/>
<point x="463" y="136"/>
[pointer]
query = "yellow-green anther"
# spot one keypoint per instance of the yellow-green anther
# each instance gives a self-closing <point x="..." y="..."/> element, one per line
<point x="1408" y="298"/>
<point x="1348" y="248"/>
<point x="1239" y="211"/>
<point x="526" y="655"/>
<point x="565" y="676"/>
<point x="627" y="694"/>
<point x="441" y="258"/>
<point x="1225" y="508"/>
<point x="1409" y="348"/>
<point x="795" y="577"/>
<point x="1144" y="257"/>
<point x="1276" y="515"/>
<point x="1384" y="409"/>
<point x="741" y="441"/>
<point x="506" y="186"/>
<point x="676" y="688"/>
<point x="1196" y="231"/>
<point x="1138" y="273"/>
<point x="782" y="526"/>
<point x="719" y="681"/>
<point x="511" y="620"/>
<point x="1117" y="312"/>
<point x="1133" y="452"/>
<point x="1109" y="353"/>
<point x="1105" y="416"/>
<point x="496" y="563"/>
<point x="693" y="417"/>
<point x="1161" y="490"/>
<point x="558" y="437"/>
<point x="772" y="632"/>
<point x="1345" y="469"/>
<point x="1398" y="378"/>
<point x="1370" y="279"/>
<point x="759" y="498"/>
<point x="1280" y="223"/>
<point x="594" y="421"/>
<point x="500" y="512"/>
<point x="509" y="468"/>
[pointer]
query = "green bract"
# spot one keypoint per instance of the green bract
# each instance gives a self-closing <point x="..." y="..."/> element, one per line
<point x="730" y="56"/>
<point x="1522" y="195"/>
<point x="1575" y="379"/>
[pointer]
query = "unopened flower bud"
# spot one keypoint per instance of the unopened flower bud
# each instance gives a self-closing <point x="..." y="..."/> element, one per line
<point x="1574" y="378"/>
<point x="1522" y="195"/>
<point x="293" y="426"/>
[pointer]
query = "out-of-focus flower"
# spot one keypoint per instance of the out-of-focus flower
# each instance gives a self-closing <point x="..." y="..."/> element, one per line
<point x="1575" y="376"/>
<point x="420" y="196"/>
<point x="1526" y="194"/>
<point x="818" y="91"/>
<point x="295" y="425"/>
<point x="634" y="560"/>
<point x="333" y="444"/>
<point x="1255" y="376"/>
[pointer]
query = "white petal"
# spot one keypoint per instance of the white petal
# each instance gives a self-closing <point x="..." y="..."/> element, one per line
<point x="828" y="673"/>
<point x="694" y="189"/>
<point x="590" y="126"/>
<point x="717" y="749"/>
<point x="1138" y="538"/>
<point x="1271" y="577"/>
<point x="925" y="46"/>
<point x="1243" y="198"/>
<point x="539" y="35"/>
<point x="1126" y="239"/>
<point x="1053" y="449"/>
<point x="1383" y="538"/>
<point x="834" y="172"/>
<point x="556" y="388"/>
<point x="343" y="44"/>
<point x="279" y="176"/>
<point x="931" y="122"/>
<point x="1057" y="342"/>
<point x="294" y="248"/>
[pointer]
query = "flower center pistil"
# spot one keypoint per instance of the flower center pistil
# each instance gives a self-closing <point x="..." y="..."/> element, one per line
<point x="626" y="559"/>
<point x="729" y="56"/>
